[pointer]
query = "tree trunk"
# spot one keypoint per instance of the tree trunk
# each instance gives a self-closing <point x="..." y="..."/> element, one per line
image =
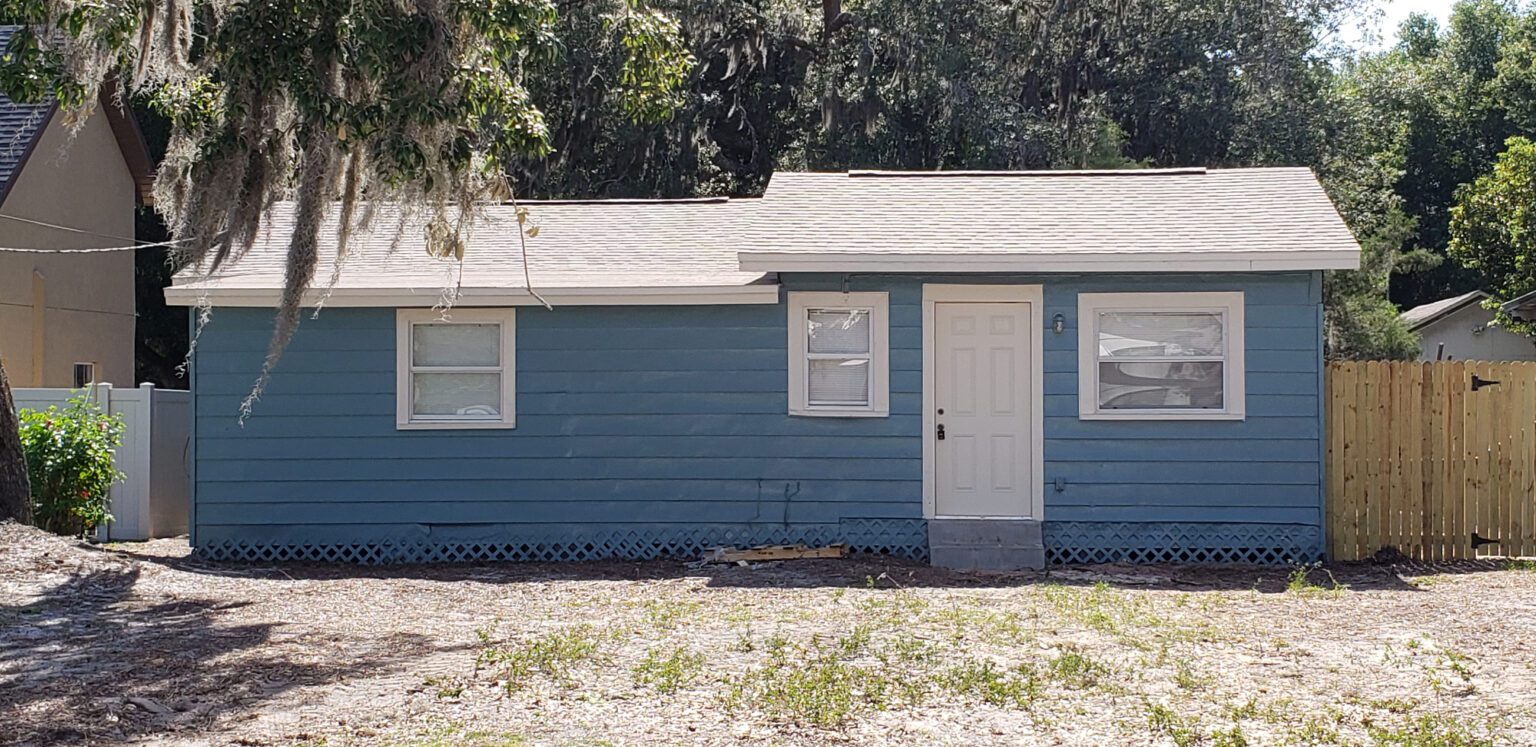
<point x="15" y="491"/>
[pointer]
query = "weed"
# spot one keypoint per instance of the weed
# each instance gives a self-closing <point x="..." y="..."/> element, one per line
<point x="855" y="642"/>
<point x="984" y="679"/>
<point x="819" y="689"/>
<point x="552" y="655"/>
<point x="1232" y="737"/>
<point x="1521" y="564"/>
<point x="1164" y="720"/>
<point x="445" y="687"/>
<point x="1076" y="670"/>
<point x="744" y="643"/>
<point x="1394" y="705"/>
<point x="1314" y="731"/>
<point x="775" y="644"/>
<point x="1185" y="677"/>
<point x="665" y="614"/>
<point x="991" y="626"/>
<point x="1301" y="583"/>
<point x="459" y="736"/>
<point x="670" y="672"/>
<point x="1429" y="730"/>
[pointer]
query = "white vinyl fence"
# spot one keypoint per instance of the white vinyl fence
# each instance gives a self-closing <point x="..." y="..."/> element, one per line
<point x="153" y="500"/>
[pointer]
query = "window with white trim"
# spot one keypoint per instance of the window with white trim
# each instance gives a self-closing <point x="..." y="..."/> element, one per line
<point x="1160" y="356"/>
<point x="454" y="369"/>
<point x="839" y="354"/>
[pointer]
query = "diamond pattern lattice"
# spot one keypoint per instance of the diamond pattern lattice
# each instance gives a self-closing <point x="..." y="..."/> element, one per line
<point x="906" y="538"/>
<point x="1112" y="542"/>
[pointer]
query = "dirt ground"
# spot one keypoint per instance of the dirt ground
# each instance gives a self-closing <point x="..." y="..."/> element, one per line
<point x="139" y="643"/>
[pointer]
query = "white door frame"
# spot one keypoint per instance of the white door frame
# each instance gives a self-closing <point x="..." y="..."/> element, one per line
<point x="1033" y="295"/>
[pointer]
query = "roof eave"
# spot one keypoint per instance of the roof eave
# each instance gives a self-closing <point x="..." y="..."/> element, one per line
<point x="130" y="142"/>
<point x="1474" y="297"/>
<point x="759" y="261"/>
<point x="697" y="295"/>
<point x="26" y="153"/>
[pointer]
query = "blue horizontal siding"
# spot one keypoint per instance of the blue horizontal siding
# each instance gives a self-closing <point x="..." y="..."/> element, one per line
<point x="676" y="416"/>
<point x="288" y="488"/>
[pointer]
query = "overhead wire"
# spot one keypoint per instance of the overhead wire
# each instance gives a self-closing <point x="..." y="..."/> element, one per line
<point x="91" y="250"/>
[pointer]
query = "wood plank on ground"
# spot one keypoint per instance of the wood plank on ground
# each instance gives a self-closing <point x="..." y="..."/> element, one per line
<point x="764" y="553"/>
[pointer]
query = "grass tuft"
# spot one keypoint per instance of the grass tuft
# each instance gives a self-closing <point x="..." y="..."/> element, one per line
<point x="1017" y="687"/>
<point x="667" y="673"/>
<point x="1429" y="730"/>
<point x="552" y="655"/>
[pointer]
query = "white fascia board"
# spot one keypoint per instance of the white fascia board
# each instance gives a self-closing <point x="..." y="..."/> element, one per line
<point x="429" y="297"/>
<point x="1345" y="259"/>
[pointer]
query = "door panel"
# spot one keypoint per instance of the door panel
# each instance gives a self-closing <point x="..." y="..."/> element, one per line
<point x="982" y="401"/>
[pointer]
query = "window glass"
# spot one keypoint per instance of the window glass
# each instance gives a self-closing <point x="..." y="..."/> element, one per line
<point x="1141" y="334"/>
<point x="449" y="345"/>
<point x="1161" y="385"/>
<point x="839" y="357"/>
<point x="1161" y="356"/>
<point x="838" y="330"/>
<point x="467" y="395"/>
<point x="839" y="381"/>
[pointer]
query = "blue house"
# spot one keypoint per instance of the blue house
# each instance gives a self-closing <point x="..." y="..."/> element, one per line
<point x="984" y="370"/>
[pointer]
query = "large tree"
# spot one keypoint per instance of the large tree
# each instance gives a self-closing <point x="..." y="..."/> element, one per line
<point x="1493" y="224"/>
<point x="1449" y="98"/>
<point x="15" y="494"/>
<point x="335" y="104"/>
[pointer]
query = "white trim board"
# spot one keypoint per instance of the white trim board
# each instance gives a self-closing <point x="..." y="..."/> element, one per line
<point x="878" y="303"/>
<point x="428" y="297"/>
<point x="1033" y="295"/>
<point x="1128" y="261"/>
<point x="405" y="319"/>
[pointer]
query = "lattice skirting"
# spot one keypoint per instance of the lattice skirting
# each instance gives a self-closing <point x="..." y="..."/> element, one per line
<point x="906" y="538"/>
<point x="1065" y="542"/>
<point x="1113" y="542"/>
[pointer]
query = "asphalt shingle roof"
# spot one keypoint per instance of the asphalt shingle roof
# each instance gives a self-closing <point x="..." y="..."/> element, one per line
<point x="1126" y="213"/>
<point x="679" y="244"/>
<point x="20" y="126"/>
<point x="1420" y="316"/>
<point x="580" y="245"/>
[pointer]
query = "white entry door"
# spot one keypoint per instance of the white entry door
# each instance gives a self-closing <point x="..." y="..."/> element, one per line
<point x="982" y="401"/>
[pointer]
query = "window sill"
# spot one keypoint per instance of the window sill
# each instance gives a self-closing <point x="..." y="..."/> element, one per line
<point x="1161" y="416"/>
<point x="803" y="413"/>
<point x="468" y="425"/>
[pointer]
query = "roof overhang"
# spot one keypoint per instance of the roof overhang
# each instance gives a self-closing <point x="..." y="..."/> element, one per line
<point x="130" y="141"/>
<point x="1522" y="308"/>
<point x="759" y="261"/>
<point x="427" y="297"/>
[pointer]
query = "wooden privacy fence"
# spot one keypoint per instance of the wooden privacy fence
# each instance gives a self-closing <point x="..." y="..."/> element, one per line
<point x="1437" y="460"/>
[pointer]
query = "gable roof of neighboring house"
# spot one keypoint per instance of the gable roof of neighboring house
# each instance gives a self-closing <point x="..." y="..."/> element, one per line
<point x="1419" y="317"/>
<point x="22" y="126"/>
<point x="1522" y="308"/>
<point x="586" y="252"/>
<point x="1052" y="221"/>
<point x="720" y="250"/>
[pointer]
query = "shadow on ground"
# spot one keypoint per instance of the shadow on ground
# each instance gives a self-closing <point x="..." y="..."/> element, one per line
<point x="90" y="661"/>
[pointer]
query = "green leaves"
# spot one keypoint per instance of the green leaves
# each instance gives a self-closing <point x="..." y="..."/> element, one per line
<point x="1493" y="224"/>
<point x="69" y="461"/>
<point x="656" y="62"/>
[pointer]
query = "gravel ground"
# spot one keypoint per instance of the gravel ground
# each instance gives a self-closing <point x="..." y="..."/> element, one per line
<point x="141" y="644"/>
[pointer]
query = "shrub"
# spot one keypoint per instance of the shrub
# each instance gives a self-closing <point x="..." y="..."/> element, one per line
<point x="69" y="461"/>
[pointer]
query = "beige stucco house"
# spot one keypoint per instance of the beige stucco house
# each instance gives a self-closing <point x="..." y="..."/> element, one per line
<point x="64" y="189"/>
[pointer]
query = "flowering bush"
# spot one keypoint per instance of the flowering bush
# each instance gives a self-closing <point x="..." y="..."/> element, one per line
<point x="69" y="461"/>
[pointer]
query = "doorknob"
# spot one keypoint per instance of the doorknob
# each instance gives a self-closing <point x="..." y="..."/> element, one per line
<point x="940" y="434"/>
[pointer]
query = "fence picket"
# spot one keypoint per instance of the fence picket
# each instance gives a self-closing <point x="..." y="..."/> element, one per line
<point x="1420" y="462"/>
